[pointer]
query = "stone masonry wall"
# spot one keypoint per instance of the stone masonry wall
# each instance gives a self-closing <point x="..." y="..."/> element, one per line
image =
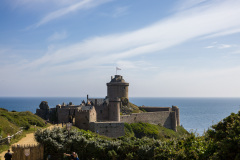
<point x="102" y="112"/>
<point x="109" y="129"/>
<point x="114" y="109"/>
<point x="82" y="119"/>
<point x="117" y="90"/>
<point x="156" y="109"/>
<point x="42" y="113"/>
<point x="63" y="115"/>
<point x="92" y="115"/>
<point x="164" y="118"/>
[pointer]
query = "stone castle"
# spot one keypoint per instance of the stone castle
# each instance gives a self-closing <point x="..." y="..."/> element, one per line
<point x="103" y="115"/>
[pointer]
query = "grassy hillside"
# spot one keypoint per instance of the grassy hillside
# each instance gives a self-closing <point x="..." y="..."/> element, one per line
<point x="140" y="130"/>
<point x="130" y="108"/>
<point x="12" y="121"/>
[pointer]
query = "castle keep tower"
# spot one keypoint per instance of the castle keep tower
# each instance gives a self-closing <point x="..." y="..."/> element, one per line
<point x="117" y="87"/>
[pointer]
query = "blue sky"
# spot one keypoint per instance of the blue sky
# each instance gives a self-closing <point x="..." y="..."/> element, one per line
<point x="182" y="48"/>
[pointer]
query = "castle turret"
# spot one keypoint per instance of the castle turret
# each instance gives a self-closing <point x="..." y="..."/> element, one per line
<point x="117" y="87"/>
<point x="114" y="109"/>
<point x="176" y="109"/>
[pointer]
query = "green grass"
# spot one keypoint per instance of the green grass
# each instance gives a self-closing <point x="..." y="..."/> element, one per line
<point x="130" y="108"/>
<point x="22" y="119"/>
<point x="140" y="130"/>
<point x="20" y="136"/>
<point x="169" y="133"/>
<point x="12" y="121"/>
<point x="7" y="127"/>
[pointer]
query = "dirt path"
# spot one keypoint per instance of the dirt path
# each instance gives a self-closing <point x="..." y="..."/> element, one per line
<point x="29" y="139"/>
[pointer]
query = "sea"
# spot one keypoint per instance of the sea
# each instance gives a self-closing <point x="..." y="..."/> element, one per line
<point x="196" y="114"/>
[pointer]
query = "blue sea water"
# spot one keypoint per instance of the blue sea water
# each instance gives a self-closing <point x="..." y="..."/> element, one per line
<point x="196" y="114"/>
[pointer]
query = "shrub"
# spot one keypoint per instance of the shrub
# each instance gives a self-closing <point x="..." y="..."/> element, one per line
<point x="128" y="130"/>
<point x="220" y="142"/>
<point x="226" y="137"/>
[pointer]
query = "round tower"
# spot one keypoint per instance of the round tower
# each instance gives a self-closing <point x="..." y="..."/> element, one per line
<point x="117" y="87"/>
<point x="114" y="109"/>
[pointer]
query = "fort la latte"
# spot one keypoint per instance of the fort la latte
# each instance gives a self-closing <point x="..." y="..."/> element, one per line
<point x="103" y="115"/>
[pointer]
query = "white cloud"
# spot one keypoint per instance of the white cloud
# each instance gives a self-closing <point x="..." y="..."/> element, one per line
<point x="236" y="52"/>
<point x="138" y="65"/>
<point x="209" y="47"/>
<point x="58" y="36"/>
<point x="166" y="33"/>
<point x="222" y="46"/>
<point x="118" y="48"/>
<point x="38" y="4"/>
<point x="219" y="46"/>
<point x="223" y="33"/>
<point x="82" y="5"/>
<point x="120" y="11"/>
<point x="191" y="83"/>
<point x="187" y="4"/>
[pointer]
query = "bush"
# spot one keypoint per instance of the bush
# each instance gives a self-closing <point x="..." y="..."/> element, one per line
<point x="128" y="130"/>
<point x="220" y="142"/>
<point x="226" y="137"/>
<point x="27" y="126"/>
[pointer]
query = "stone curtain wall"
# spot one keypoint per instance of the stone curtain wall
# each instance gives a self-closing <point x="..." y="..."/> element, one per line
<point x="36" y="152"/>
<point x="42" y="113"/>
<point x="109" y="129"/>
<point x="156" y="109"/>
<point x="82" y="119"/>
<point x="63" y="115"/>
<point x="102" y="112"/>
<point x="164" y="118"/>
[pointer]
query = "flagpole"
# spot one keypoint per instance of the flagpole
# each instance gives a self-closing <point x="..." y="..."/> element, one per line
<point x="117" y="69"/>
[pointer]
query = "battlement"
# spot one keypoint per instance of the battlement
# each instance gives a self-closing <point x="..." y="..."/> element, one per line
<point x="117" y="78"/>
<point x="82" y="111"/>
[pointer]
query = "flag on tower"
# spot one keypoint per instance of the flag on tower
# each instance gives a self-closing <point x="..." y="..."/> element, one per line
<point x="117" y="69"/>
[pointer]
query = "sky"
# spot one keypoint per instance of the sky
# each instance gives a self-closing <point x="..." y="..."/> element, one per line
<point x="167" y="48"/>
